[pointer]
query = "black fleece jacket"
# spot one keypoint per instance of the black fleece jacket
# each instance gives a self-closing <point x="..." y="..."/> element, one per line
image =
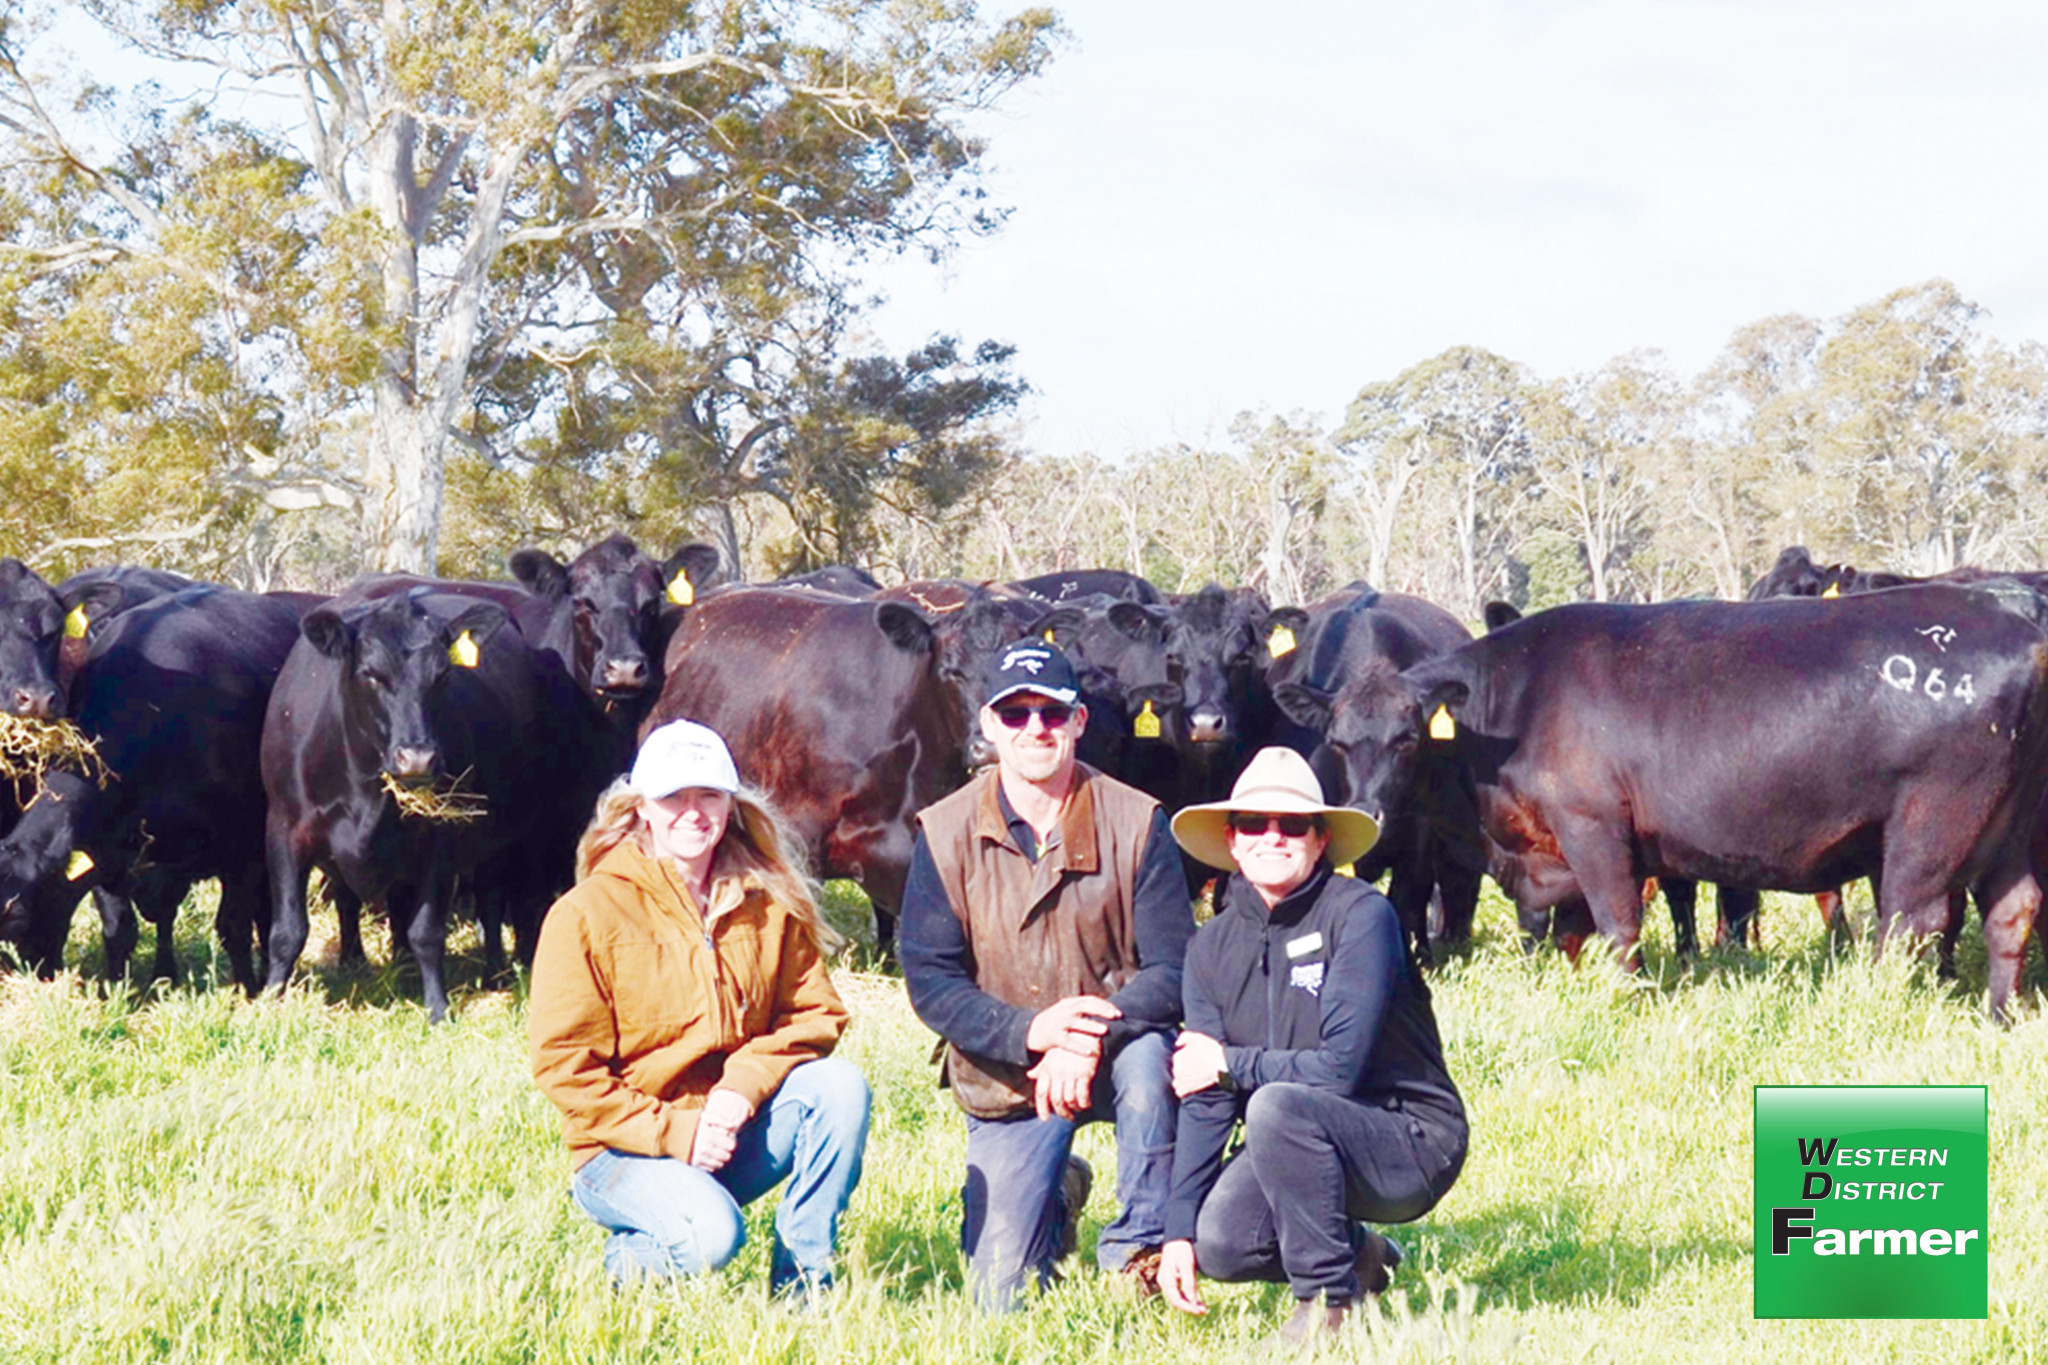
<point x="1321" y="992"/>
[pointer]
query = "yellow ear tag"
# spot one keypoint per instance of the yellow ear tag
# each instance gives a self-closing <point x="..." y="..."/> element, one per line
<point x="1145" y="725"/>
<point x="679" y="590"/>
<point x="1048" y="638"/>
<point x="463" y="653"/>
<point x="1441" y="726"/>
<point x="80" y="864"/>
<point x="1280" y="642"/>
<point x="75" y="624"/>
<point x="1347" y="871"/>
<point x="1834" y="590"/>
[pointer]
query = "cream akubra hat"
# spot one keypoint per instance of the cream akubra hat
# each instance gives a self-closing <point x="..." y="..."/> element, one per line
<point x="1278" y="781"/>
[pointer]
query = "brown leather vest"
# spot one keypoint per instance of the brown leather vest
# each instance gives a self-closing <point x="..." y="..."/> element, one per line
<point x="1043" y="931"/>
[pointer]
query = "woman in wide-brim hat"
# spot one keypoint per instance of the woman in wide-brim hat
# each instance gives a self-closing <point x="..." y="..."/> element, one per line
<point x="1308" y="1022"/>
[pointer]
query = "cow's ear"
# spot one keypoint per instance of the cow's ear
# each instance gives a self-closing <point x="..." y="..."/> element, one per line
<point x="1146" y="625"/>
<point x="327" y="632"/>
<point x="479" y="621"/>
<point x="542" y="574"/>
<point x="12" y="572"/>
<point x="1498" y="614"/>
<point x="988" y="627"/>
<point x="906" y="628"/>
<point x="1282" y="630"/>
<point x="689" y="571"/>
<point x="1449" y="696"/>
<point x="92" y="604"/>
<point x="1060" y="628"/>
<point x="1308" y="707"/>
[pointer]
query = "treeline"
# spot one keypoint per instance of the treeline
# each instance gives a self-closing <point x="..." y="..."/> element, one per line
<point x="1901" y="435"/>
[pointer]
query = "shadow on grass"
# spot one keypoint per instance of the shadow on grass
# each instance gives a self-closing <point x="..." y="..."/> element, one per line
<point x="1551" y="1254"/>
<point x="911" y="1259"/>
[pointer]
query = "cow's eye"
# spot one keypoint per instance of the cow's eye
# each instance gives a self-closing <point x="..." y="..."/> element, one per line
<point x="373" y="682"/>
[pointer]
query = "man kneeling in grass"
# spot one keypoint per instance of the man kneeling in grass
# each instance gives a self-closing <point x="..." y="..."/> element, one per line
<point x="1307" y="1019"/>
<point x="1044" y="920"/>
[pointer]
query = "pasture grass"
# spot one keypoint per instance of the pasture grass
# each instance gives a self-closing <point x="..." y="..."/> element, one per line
<point x="186" y="1176"/>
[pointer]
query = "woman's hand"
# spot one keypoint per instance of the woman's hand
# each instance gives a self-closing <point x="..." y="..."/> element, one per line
<point x="1197" y="1062"/>
<point x="1177" y="1277"/>
<point x="718" y="1129"/>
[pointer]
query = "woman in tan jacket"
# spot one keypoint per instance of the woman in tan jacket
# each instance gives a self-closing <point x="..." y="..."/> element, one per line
<point x="681" y="1019"/>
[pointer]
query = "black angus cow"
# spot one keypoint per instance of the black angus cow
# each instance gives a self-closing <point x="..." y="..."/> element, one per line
<point x="1113" y="645"/>
<point x="1351" y="634"/>
<point x="45" y="633"/>
<point x="1737" y="907"/>
<point x="424" y="689"/>
<point x="604" y="620"/>
<point x="850" y="716"/>
<point x="37" y="621"/>
<point x="1796" y="575"/>
<point x="173" y="695"/>
<point x="1208" y="702"/>
<point x="1078" y="584"/>
<point x="1791" y="745"/>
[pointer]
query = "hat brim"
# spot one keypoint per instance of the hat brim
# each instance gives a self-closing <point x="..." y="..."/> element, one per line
<point x="1204" y="831"/>
<point x="1066" y="696"/>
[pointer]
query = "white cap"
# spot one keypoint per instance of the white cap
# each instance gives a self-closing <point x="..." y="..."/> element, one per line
<point x="683" y="754"/>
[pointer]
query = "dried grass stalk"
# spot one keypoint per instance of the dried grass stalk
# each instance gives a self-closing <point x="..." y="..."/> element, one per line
<point x="29" y="748"/>
<point x="449" y="802"/>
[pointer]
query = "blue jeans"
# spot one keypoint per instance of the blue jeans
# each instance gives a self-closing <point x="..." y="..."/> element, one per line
<point x="667" y="1217"/>
<point x="1013" y="1208"/>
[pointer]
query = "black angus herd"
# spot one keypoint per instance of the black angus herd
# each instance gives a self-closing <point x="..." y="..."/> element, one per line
<point x="431" y="743"/>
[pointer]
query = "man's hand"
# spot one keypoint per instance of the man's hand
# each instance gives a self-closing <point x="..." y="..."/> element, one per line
<point x="1076" y="1024"/>
<point x="1064" y="1082"/>
<point x="1197" y="1062"/>
<point x="1177" y="1277"/>
<point x="718" y="1129"/>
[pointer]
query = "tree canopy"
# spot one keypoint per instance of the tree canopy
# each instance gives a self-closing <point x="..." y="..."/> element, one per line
<point x="597" y="244"/>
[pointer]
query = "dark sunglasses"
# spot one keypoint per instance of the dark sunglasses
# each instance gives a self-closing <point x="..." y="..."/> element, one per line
<point x="1291" y="826"/>
<point x="1052" y="713"/>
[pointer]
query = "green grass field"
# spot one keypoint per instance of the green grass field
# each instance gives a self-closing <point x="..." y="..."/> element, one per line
<point x="324" y="1177"/>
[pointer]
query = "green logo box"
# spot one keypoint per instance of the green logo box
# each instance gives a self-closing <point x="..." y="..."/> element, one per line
<point x="1872" y="1201"/>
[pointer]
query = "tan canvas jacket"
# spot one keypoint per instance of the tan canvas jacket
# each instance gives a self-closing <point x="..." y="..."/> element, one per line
<point x="637" y="1012"/>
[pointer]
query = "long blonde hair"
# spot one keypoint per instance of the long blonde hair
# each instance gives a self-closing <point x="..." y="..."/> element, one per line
<point x="757" y="844"/>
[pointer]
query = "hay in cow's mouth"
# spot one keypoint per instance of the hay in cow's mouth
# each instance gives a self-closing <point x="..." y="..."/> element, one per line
<point x="450" y="803"/>
<point x="29" y="748"/>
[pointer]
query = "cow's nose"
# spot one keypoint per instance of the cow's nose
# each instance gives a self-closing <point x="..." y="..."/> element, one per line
<point x="625" y="673"/>
<point x="412" y="765"/>
<point x="37" y="703"/>
<point x="1207" y="727"/>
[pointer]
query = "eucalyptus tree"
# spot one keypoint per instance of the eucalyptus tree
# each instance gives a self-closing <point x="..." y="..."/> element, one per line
<point x="503" y="217"/>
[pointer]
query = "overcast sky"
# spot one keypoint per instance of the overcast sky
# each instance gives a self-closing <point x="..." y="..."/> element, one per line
<point x="1230" y="206"/>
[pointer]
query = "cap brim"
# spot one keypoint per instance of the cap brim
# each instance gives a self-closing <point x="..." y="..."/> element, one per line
<point x="1204" y="831"/>
<point x="1066" y="696"/>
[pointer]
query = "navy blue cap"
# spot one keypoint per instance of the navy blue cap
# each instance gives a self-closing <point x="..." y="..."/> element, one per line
<point x="1031" y="666"/>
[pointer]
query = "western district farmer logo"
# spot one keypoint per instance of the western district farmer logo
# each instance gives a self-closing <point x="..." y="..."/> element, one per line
<point x="1871" y="1201"/>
